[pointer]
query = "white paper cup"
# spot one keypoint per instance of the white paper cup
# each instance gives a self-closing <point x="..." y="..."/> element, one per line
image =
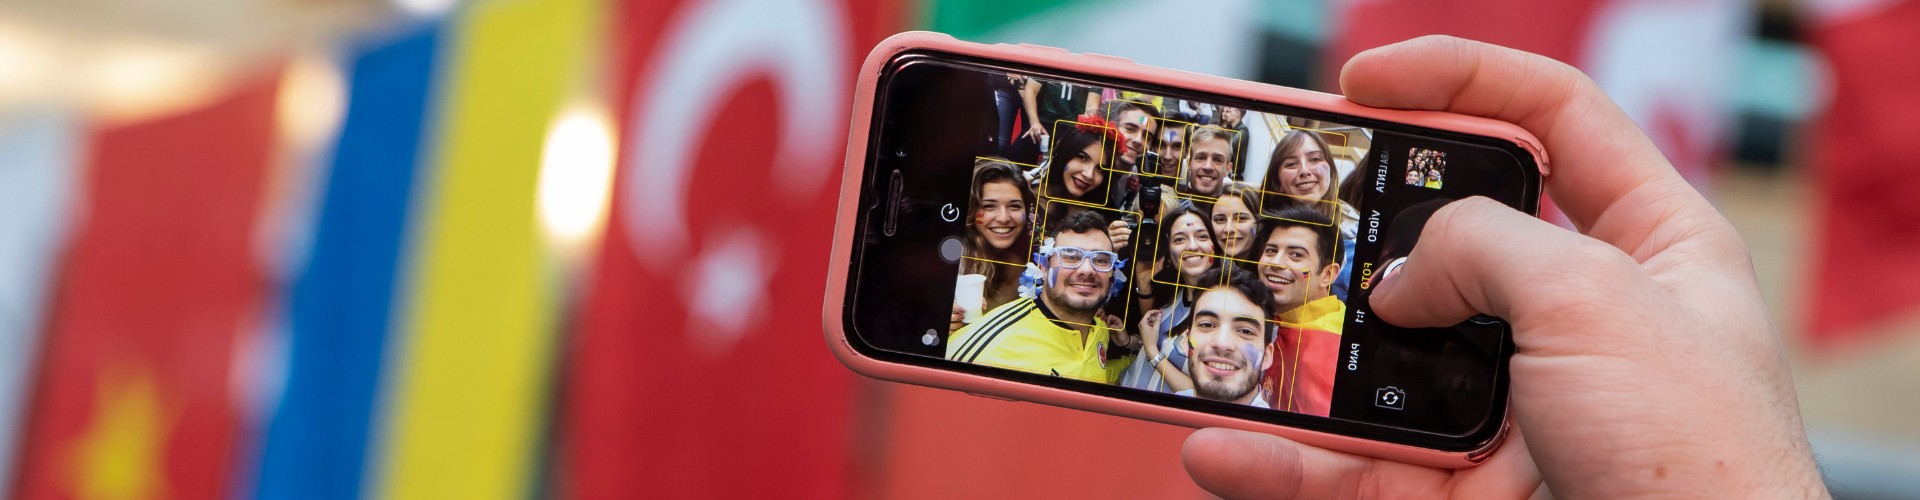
<point x="969" y="292"/>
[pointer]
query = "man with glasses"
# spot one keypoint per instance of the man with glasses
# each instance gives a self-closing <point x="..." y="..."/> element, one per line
<point x="1061" y="333"/>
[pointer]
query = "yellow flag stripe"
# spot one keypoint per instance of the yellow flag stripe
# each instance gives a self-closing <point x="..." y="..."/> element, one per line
<point x="471" y="373"/>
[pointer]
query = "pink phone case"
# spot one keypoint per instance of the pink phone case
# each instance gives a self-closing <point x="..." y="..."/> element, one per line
<point x="1115" y="67"/>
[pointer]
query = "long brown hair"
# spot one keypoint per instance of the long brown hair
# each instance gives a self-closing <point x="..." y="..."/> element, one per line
<point x="1069" y="141"/>
<point x="987" y="170"/>
<point x="1274" y="197"/>
<point x="1168" y="258"/>
<point x="1248" y="196"/>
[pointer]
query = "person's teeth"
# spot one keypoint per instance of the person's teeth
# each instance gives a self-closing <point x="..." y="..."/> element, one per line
<point x="1222" y="366"/>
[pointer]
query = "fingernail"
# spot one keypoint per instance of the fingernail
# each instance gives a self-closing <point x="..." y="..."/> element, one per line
<point x="1381" y="280"/>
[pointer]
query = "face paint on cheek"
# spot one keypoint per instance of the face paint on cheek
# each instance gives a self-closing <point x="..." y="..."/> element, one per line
<point x="1254" y="355"/>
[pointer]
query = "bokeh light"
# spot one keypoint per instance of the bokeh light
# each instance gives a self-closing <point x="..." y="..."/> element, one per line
<point x="576" y="168"/>
<point x="311" y="101"/>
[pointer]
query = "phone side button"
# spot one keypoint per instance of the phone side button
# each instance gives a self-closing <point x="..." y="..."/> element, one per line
<point x="1043" y="47"/>
<point x="1108" y="57"/>
<point x="990" y="396"/>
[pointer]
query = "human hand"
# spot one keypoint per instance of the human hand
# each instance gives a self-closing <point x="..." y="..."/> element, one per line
<point x="1117" y="334"/>
<point x="1646" y="363"/>
<point x="1150" y="331"/>
<point x="957" y="320"/>
<point x="1143" y="271"/>
<point x="1119" y="233"/>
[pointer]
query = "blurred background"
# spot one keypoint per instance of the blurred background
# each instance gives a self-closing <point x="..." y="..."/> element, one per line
<point x="444" y="249"/>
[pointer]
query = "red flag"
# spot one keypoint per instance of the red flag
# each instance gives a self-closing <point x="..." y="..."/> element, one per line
<point x="1301" y="377"/>
<point x="1865" y="163"/>
<point x="697" y="368"/>
<point x="1553" y="29"/>
<point x="1666" y="62"/>
<point x="133" y="398"/>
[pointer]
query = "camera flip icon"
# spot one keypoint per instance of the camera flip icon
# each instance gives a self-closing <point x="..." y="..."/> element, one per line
<point x="1390" y="397"/>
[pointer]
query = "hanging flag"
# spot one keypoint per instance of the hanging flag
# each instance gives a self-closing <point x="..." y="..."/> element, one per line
<point x="1865" y="163"/>
<point x="1668" y="63"/>
<point x="134" y="397"/>
<point x="39" y="164"/>
<point x="697" y="369"/>
<point x="340" y="306"/>
<point x="467" y="403"/>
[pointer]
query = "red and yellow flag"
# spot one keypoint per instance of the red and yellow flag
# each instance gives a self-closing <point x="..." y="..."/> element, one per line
<point x="134" y="397"/>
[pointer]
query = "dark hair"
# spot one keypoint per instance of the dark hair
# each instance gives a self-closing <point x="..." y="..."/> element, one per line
<point x="1173" y="213"/>
<point x="1112" y="110"/>
<point x="1273" y="195"/>
<point x="1248" y="197"/>
<point x="1170" y="272"/>
<point x="1071" y="140"/>
<point x="1079" y="221"/>
<point x="1220" y="113"/>
<point x="988" y="170"/>
<point x="1245" y="282"/>
<point x="1174" y="120"/>
<point x="1301" y="216"/>
<point x="1350" y="192"/>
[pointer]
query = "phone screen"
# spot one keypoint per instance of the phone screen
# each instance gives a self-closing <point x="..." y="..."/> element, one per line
<point x="1170" y="246"/>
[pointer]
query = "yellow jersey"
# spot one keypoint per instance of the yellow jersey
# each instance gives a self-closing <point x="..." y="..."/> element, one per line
<point x="1022" y="335"/>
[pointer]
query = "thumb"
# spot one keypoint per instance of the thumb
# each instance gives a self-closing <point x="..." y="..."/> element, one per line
<point x="1477" y="256"/>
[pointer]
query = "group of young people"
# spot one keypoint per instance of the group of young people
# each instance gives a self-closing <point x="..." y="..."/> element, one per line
<point x="1236" y="293"/>
<point x="1426" y="167"/>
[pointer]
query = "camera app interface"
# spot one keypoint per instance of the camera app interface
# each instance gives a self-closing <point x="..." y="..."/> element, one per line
<point x="1197" y="249"/>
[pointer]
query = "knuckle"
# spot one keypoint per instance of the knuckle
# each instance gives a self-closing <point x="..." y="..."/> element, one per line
<point x="1584" y="274"/>
<point x="1464" y="216"/>
<point x="1365" y="483"/>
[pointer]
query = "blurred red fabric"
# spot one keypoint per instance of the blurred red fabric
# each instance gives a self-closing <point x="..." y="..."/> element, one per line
<point x="1866" y="167"/>
<point x="652" y="405"/>
<point x="134" y="397"/>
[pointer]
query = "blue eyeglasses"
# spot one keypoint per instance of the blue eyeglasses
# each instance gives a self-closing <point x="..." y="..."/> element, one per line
<point x="1073" y="258"/>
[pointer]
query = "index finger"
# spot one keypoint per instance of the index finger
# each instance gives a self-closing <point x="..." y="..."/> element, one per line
<point x="1602" y="161"/>
<point x="1240" y="464"/>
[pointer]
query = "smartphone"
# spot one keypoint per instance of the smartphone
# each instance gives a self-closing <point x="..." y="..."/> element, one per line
<point x="1024" y="223"/>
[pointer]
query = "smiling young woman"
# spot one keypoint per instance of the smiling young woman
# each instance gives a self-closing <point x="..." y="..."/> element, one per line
<point x="999" y="229"/>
